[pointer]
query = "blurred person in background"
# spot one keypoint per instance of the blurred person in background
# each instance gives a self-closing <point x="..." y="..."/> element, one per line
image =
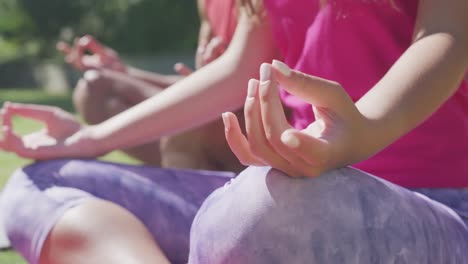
<point x="109" y="86"/>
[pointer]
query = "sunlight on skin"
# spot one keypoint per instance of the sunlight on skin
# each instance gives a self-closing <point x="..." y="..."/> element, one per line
<point x="9" y="161"/>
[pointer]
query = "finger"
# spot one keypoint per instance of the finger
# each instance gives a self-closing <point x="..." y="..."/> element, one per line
<point x="315" y="151"/>
<point x="38" y="112"/>
<point x="314" y="90"/>
<point x="88" y="42"/>
<point x="4" y="120"/>
<point x="182" y="69"/>
<point x="238" y="142"/>
<point x="2" y="124"/>
<point x="273" y="117"/>
<point x="75" y="56"/>
<point x="14" y="143"/>
<point x="11" y="142"/>
<point x="63" y="47"/>
<point x="275" y="123"/>
<point x="5" y="115"/>
<point x="213" y="50"/>
<point x="199" y="55"/>
<point x="91" y="62"/>
<point x="255" y="132"/>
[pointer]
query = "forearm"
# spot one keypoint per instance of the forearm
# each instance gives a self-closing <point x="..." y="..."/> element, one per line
<point x="160" y="80"/>
<point x="195" y="100"/>
<point x="424" y="77"/>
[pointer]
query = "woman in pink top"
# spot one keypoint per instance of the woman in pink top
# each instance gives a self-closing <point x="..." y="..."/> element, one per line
<point x="401" y="64"/>
<point x="361" y="46"/>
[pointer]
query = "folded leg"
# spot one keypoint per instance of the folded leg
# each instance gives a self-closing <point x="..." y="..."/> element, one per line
<point x="343" y="216"/>
<point x="164" y="201"/>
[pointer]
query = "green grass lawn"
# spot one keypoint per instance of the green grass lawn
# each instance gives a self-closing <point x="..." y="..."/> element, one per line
<point x="9" y="162"/>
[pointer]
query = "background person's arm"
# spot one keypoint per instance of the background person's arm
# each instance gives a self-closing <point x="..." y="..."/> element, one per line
<point x="197" y="99"/>
<point x="203" y="55"/>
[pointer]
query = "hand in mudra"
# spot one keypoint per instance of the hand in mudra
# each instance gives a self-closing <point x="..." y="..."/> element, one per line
<point x="336" y="138"/>
<point x="61" y="137"/>
<point x="99" y="57"/>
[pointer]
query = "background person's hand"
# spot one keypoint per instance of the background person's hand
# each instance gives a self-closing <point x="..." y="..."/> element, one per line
<point x="182" y="69"/>
<point x="62" y="137"/>
<point x="337" y="137"/>
<point x="208" y="52"/>
<point x="99" y="57"/>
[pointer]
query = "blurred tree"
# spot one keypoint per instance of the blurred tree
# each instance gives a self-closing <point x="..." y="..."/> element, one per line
<point x="15" y="26"/>
<point x="130" y="26"/>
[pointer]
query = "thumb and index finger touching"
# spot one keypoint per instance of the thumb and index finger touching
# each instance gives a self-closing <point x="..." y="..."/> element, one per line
<point x="313" y="90"/>
<point x="80" y="45"/>
<point x="182" y="69"/>
<point x="40" y="113"/>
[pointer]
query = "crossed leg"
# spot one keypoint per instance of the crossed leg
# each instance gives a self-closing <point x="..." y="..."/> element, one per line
<point x="342" y="216"/>
<point x="68" y="211"/>
<point x="100" y="95"/>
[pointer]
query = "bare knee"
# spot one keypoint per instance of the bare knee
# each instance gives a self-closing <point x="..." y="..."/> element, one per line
<point x="94" y="231"/>
<point x="92" y="95"/>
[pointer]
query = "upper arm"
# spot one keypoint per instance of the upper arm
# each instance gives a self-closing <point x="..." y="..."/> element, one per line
<point x="449" y="17"/>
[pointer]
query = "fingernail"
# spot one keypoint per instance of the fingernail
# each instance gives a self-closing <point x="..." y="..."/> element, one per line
<point x="252" y="88"/>
<point x="84" y="40"/>
<point x="290" y="140"/>
<point x="91" y="75"/>
<point x="217" y="40"/>
<point x="201" y="49"/>
<point x="282" y="67"/>
<point x="265" y="72"/>
<point x="225" y="117"/>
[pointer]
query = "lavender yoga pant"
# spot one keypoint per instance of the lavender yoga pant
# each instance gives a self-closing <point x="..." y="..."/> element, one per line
<point x="261" y="216"/>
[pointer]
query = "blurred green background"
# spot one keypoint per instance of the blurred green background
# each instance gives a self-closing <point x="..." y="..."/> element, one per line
<point x="31" y="27"/>
<point x="150" y="34"/>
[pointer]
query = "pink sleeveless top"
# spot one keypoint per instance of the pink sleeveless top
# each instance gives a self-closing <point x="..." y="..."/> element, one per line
<point x="222" y="16"/>
<point x="355" y="42"/>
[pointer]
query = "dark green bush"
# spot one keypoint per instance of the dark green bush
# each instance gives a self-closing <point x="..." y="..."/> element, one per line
<point x="130" y="26"/>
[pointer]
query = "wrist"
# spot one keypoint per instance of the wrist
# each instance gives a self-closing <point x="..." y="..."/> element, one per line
<point x="130" y="70"/>
<point x="94" y="139"/>
<point x="374" y="137"/>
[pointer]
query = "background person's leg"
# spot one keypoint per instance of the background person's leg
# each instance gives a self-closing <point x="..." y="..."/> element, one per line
<point x="164" y="201"/>
<point x="343" y="216"/>
<point x="98" y="231"/>
<point x="100" y="95"/>
<point x="204" y="147"/>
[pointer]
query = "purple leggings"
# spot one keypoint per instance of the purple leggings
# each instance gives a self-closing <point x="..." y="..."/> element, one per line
<point x="262" y="216"/>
